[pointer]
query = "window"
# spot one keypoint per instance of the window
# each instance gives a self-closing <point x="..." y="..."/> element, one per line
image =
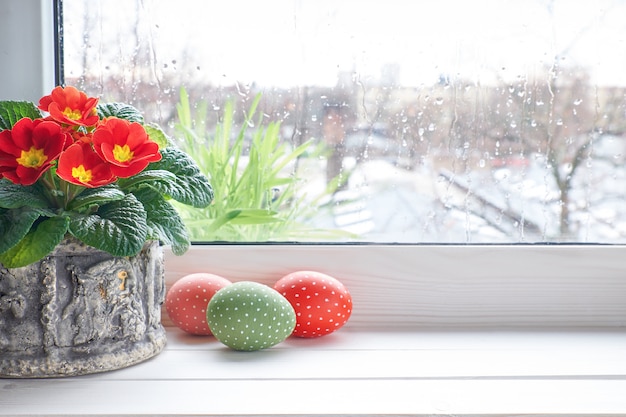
<point x="434" y="122"/>
<point x="408" y="285"/>
<point x="421" y="287"/>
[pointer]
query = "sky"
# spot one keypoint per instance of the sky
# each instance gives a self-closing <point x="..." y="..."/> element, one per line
<point x="308" y="42"/>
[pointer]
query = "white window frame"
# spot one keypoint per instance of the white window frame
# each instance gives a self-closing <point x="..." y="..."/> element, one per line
<point x="392" y="285"/>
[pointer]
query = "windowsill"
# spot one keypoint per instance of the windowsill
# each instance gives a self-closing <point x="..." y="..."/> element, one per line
<point x="354" y="372"/>
<point x="422" y="340"/>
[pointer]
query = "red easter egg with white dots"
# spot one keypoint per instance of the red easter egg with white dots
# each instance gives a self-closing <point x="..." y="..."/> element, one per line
<point x="187" y="300"/>
<point x="322" y="303"/>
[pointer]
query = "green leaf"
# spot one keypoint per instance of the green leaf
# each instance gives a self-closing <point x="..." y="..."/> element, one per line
<point x="255" y="216"/>
<point x="158" y="135"/>
<point x="96" y="197"/>
<point x="222" y="220"/>
<point x="14" y="225"/>
<point x="120" y="110"/>
<point x="189" y="186"/>
<point x="236" y="216"/>
<point x="12" y="111"/>
<point x="146" y="177"/>
<point x="37" y="243"/>
<point x="15" y="196"/>
<point x="163" y="220"/>
<point x="118" y="228"/>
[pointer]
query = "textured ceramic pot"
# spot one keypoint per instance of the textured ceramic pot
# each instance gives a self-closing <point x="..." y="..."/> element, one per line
<point x="81" y="311"/>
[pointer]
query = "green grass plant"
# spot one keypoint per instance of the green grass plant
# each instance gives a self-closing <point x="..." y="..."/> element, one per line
<point x="254" y="177"/>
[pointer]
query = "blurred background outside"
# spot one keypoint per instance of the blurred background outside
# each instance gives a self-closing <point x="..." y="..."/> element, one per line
<point x="415" y="122"/>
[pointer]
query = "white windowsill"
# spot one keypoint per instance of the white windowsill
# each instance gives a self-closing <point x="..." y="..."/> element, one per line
<point x="436" y="330"/>
<point x="352" y="372"/>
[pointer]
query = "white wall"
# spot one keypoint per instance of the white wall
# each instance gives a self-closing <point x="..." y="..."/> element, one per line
<point x="26" y="49"/>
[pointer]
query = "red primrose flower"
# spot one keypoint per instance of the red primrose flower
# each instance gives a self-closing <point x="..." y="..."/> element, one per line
<point x="87" y="151"/>
<point x="80" y="165"/>
<point x="29" y="149"/>
<point x="70" y="106"/>
<point x="125" y="146"/>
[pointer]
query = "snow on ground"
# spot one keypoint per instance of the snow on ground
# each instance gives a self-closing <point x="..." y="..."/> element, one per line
<point x="386" y="203"/>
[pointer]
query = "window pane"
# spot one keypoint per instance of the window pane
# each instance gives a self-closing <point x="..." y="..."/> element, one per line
<point x="385" y="121"/>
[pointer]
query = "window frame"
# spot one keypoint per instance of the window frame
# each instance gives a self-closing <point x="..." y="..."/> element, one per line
<point x="392" y="285"/>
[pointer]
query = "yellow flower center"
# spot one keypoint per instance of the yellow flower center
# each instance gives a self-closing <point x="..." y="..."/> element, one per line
<point x="122" y="153"/>
<point x="81" y="174"/>
<point x="72" y="114"/>
<point x="33" y="158"/>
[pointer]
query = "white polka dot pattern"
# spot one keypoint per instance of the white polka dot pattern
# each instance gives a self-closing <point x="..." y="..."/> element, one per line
<point x="322" y="303"/>
<point x="186" y="301"/>
<point x="250" y="316"/>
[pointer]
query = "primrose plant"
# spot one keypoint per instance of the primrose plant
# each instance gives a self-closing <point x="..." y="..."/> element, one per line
<point x="73" y="167"/>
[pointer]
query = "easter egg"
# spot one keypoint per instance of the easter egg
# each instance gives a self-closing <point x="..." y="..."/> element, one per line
<point x="187" y="300"/>
<point x="322" y="303"/>
<point x="250" y="316"/>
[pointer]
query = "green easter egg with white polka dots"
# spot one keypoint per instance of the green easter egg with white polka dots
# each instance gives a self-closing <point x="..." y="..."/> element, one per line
<point x="250" y="316"/>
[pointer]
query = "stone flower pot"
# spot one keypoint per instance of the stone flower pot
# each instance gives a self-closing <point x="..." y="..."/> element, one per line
<point x="81" y="311"/>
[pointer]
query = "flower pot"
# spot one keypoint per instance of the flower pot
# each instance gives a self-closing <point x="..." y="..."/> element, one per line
<point x="80" y="311"/>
